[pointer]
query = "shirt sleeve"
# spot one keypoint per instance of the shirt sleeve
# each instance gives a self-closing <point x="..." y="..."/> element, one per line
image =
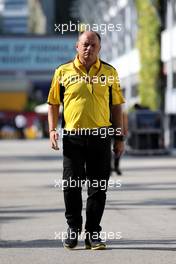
<point x="54" y="92"/>
<point x="117" y="96"/>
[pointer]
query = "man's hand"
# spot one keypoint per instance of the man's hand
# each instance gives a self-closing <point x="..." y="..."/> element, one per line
<point x="54" y="140"/>
<point x="119" y="147"/>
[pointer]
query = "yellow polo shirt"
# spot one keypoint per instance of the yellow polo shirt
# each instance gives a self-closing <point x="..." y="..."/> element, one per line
<point x="86" y="95"/>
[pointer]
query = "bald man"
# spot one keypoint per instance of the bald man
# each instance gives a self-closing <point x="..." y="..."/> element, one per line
<point x="89" y="90"/>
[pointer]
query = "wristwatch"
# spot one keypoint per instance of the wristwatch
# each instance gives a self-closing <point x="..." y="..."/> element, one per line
<point x="54" y="129"/>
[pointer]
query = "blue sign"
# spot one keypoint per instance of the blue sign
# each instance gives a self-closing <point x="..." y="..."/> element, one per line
<point x="35" y="53"/>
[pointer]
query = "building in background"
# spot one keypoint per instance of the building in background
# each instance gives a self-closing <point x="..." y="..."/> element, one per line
<point x="63" y="12"/>
<point x="118" y="48"/>
<point x="49" y="9"/>
<point x="42" y="54"/>
<point x="22" y="17"/>
<point x="168" y="56"/>
<point x="1" y="12"/>
<point x="30" y="50"/>
<point x="18" y="17"/>
<point x="125" y="55"/>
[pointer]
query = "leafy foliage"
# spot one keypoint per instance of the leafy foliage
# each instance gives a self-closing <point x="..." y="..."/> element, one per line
<point x="148" y="44"/>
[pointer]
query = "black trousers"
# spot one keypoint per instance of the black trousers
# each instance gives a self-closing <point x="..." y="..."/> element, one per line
<point x="86" y="160"/>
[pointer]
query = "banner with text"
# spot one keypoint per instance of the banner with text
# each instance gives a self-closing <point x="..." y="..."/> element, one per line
<point x="35" y="53"/>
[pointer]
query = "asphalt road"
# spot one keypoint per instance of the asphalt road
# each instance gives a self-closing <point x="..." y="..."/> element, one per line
<point x="139" y="222"/>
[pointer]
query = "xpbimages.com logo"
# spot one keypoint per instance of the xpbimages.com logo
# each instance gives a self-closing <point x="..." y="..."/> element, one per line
<point x="103" y="235"/>
<point x="102" y="132"/>
<point x="100" y="80"/>
<point x="78" y="27"/>
<point x="80" y="183"/>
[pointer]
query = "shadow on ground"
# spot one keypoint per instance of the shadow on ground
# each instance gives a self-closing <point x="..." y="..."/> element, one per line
<point x="168" y="245"/>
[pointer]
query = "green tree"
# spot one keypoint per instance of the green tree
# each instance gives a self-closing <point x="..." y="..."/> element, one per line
<point x="148" y="44"/>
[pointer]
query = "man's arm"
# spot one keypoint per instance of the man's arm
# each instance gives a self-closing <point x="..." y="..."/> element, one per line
<point x="53" y="115"/>
<point x="117" y="118"/>
<point x="117" y="122"/>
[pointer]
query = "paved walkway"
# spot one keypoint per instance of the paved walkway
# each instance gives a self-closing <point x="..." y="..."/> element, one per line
<point x="142" y="211"/>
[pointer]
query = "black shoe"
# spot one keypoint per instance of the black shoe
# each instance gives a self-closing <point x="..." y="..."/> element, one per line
<point x="71" y="239"/>
<point x="93" y="241"/>
<point x="118" y="171"/>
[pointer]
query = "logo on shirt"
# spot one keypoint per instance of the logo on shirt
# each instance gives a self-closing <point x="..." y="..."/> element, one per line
<point x="102" y="78"/>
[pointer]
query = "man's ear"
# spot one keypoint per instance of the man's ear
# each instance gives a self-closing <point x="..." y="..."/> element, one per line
<point x="76" y="46"/>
